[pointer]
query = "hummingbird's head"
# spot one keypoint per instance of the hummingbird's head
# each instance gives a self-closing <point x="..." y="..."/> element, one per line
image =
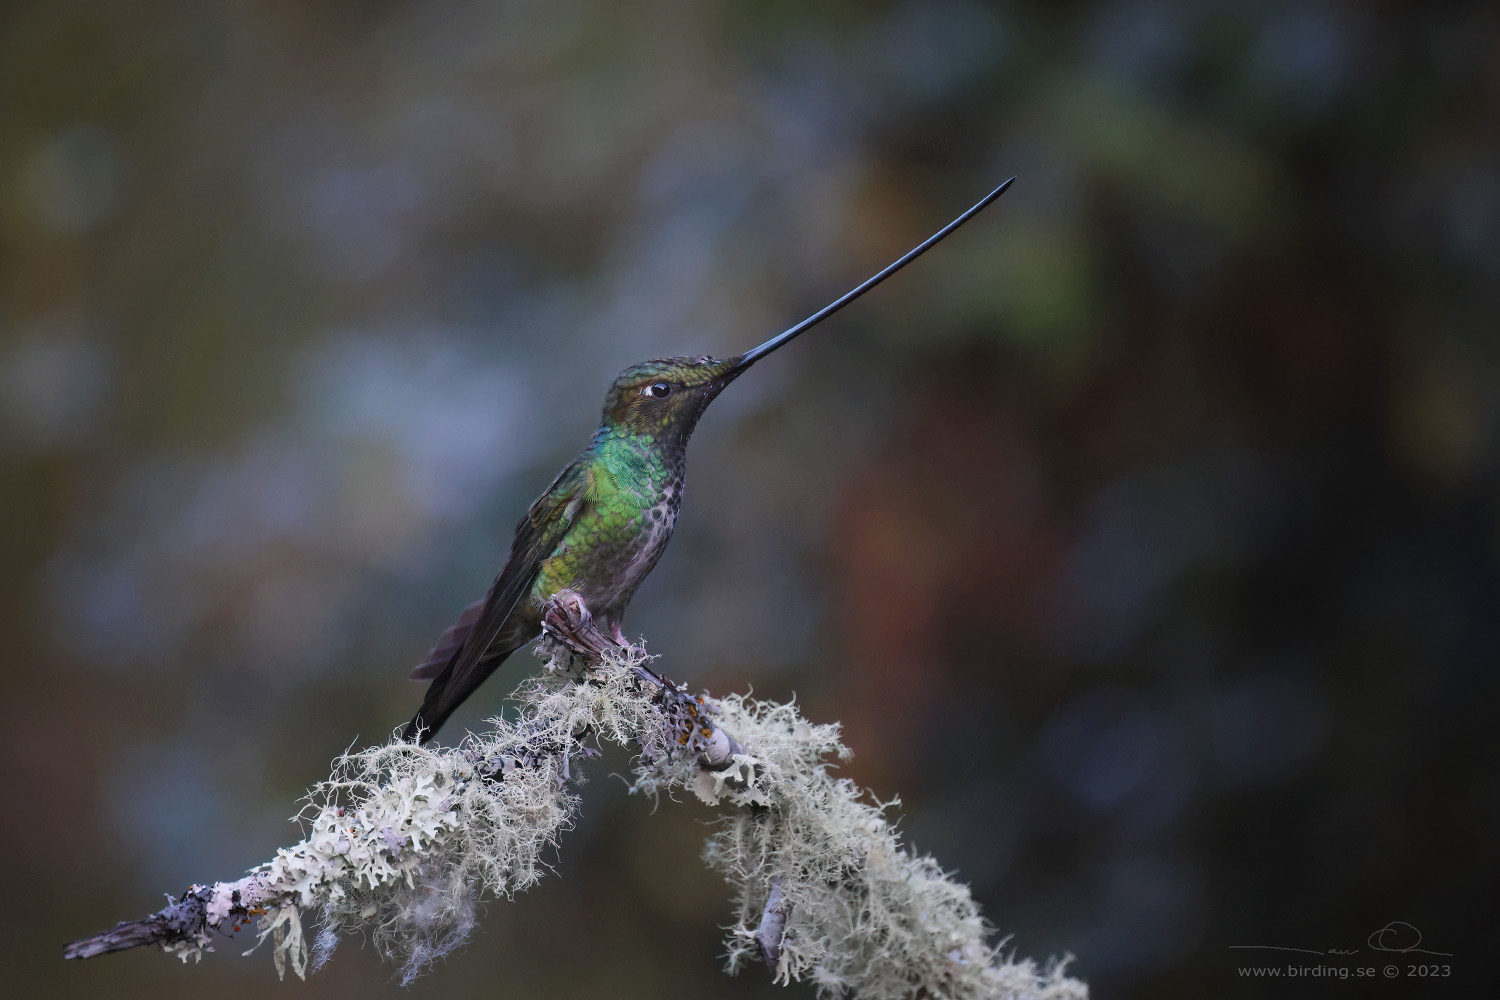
<point x="655" y="398"/>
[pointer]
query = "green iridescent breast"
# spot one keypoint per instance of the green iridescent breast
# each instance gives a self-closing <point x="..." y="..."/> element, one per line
<point x="624" y="524"/>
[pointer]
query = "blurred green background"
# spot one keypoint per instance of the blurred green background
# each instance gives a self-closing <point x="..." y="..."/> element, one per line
<point x="1145" y="536"/>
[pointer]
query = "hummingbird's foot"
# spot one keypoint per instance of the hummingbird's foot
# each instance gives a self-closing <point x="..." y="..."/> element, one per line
<point x="618" y="635"/>
<point x="567" y="619"/>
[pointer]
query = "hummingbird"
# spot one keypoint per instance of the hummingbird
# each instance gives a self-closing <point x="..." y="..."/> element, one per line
<point x="605" y="521"/>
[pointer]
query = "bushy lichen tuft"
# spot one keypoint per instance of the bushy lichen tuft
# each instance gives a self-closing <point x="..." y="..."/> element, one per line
<point x="862" y="914"/>
<point x="403" y="842"/>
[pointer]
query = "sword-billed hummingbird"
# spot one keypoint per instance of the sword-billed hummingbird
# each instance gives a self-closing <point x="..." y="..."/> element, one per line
<point x="607" y="517"/>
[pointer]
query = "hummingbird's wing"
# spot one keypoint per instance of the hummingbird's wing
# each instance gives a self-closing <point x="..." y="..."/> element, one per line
<point x="469" y="659"/>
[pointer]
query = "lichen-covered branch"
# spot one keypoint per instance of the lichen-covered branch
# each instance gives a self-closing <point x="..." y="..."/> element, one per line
<point x="403" y="841"/>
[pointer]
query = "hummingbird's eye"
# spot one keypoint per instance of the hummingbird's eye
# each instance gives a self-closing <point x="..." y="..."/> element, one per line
<point x="659" y="389"/>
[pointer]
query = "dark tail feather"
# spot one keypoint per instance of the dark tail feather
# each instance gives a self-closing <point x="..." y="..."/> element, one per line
<point x="440" y="702"/>
<point x="440" y="657"/>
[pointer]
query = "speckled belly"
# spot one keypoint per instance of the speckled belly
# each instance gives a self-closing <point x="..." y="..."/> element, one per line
<point x="606" y="555"/>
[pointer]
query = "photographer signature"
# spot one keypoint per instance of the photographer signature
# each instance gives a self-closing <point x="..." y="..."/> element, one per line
<point x="1398" y="937"/>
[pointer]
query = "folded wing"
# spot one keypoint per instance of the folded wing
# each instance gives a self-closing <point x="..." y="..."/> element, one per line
<point x="472" y="653"/>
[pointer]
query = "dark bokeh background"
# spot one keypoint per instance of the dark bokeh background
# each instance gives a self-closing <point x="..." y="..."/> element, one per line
<point x="1145" y="536"/>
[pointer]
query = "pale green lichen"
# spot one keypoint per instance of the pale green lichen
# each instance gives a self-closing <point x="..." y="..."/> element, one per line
<point x="403" y="841"/>
<point x="863" y="914"/>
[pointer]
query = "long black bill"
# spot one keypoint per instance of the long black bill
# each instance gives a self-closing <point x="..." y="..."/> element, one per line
<point x="756" y="353"/>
